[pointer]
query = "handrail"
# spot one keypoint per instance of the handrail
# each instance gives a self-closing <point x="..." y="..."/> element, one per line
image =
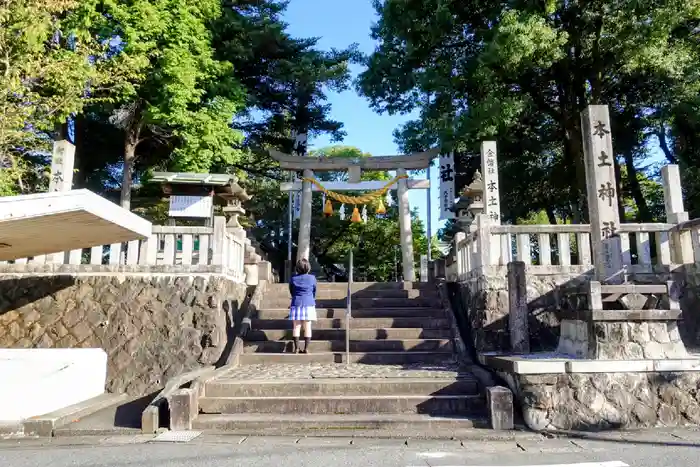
<point x="348" y="310"/>
<point x="182" y="229"/>
<point x="645" y="227"/>
<point x="687" y="225"/>
<point x="540" y="228"/>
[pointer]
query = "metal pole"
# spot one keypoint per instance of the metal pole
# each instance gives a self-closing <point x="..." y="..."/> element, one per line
<point x="348" y="312"/>
<point x="430" y="216"/>
<point x="290" y="215"/>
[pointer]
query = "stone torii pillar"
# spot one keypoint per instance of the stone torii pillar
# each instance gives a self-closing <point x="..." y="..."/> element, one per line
<point x="405" y="232"/>
<point x="304" y="239"/>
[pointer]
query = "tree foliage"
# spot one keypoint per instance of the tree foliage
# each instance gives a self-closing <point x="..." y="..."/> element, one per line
<point x="44" y="70"/>
<point x="521" y="72"/>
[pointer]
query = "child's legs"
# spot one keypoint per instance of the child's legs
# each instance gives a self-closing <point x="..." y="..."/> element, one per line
<point x="296" y="328"/>
<point x="307" y="329"/>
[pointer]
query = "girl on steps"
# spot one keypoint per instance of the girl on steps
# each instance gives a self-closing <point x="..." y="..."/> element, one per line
<point x="302" y="288"/>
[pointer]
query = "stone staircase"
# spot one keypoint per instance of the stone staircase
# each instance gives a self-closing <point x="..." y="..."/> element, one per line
<point x="402" y="374"/>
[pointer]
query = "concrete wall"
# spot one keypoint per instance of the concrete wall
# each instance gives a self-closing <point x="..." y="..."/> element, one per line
<point x="485" y="304"/>
<point x="153" y="323"/>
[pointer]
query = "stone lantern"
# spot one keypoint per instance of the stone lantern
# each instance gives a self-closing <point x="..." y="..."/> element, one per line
<point x="234" y="197"/>
<point x="470" y="203"/>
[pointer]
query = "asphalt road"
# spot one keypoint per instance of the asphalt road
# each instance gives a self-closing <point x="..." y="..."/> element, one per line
<point x="657" y="449"/>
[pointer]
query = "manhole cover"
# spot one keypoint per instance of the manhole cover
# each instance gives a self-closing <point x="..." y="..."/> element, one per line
<point x="177" y="436"/>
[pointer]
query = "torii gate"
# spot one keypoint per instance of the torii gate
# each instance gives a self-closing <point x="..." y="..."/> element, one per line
<point x="354" y="167"/>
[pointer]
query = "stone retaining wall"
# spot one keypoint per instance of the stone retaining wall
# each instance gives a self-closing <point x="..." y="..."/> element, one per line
<point x="485" y="296"/>
<point x="598" y="401"/>
<point x="153" y="326"/>
<point x="550" y="290"/>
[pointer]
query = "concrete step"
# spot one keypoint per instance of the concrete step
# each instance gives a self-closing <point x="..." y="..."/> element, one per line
<point x="342" y="387"/>
<point x="358" y="323"/>
<point x="301" y="405"/>
<point x="370" y="358"/>
<point x="383" y="345"/>
<point x="355" y="334"/>
<point x="283" y="302"/>
<point x="359" y="286"/>
<point x="282" y="313"/>
<point x="341" y="294"/>
<point x="414" y="426"/>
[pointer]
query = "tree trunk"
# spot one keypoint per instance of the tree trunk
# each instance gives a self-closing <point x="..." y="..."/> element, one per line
<point x="550" y="215"/>
<point x="636" y="189"/>
<point x="131" y="140"/>
<point x="663" y="144"/>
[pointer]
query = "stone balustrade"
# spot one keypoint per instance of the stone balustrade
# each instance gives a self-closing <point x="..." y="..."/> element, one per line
<point x="645" y="248"/>
<point x="167" y="246"/>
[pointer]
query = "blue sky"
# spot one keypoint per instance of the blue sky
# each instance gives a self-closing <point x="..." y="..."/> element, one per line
<point x="339" y="24"/>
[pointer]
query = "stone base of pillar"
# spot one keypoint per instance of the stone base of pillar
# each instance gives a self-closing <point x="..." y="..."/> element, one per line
<point x="251" y="274"/>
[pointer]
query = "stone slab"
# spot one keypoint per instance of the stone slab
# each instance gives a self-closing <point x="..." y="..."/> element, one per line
<point x="375" y="426"/>
<point x="607" y="366"/>
<point x="44" y="425"/>
<point x="524" y="365"/>
<point x="370" y="358"/>
<point x="309" y="371"/>
<point x="341" y="386"/>
<point x="44" y="380"/>
<point x="388" y="404"/>
<point x="521" y="365"/>
<point x="621" y="315"/>
<point x="499" y="401"/>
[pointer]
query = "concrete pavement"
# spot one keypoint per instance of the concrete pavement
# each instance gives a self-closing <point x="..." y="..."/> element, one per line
<point x="679" y="448"/>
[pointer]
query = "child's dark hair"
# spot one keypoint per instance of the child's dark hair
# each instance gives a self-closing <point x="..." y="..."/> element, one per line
<point x="303" y="266"/>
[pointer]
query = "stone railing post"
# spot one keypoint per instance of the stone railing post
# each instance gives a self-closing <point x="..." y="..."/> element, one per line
<point x="681" y="242"/>
<point x="517" y="316"/>
<point x="461" y="266"/>
<point x="219" y="241"/>
<point x="483" y="241"/>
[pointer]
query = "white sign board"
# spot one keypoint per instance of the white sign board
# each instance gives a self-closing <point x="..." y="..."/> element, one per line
<point x="424" y="268"/>
<point x="191" y="206"/>
<point x="447" y="185"/>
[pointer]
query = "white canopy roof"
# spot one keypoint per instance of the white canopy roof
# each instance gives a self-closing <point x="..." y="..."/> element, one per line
<point x="44" y="223"/>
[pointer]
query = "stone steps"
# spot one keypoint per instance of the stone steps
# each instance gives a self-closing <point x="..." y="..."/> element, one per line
<point x="361" y="286"/>
<point x="341" y="294"/>
<point x="358" y="323"/>
<point x="355" y="425"/>
<point x="400" y="373"/>
<point x="355" y="334"/>
<point x="418" y="404"/>
<point x="425" y="312"/>
<point x="380" y="345"/>
<point x="368" y="358"/>
<point x="421" y="302"/>
<point x="342" y="386"/>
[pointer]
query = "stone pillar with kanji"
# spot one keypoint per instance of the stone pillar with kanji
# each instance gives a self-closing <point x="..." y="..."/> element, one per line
<point x="62" y="166"/>
<point x="492" y="188"/>
<point x="601" y="189"/>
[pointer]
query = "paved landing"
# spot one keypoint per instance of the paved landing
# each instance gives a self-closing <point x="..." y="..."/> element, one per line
<point x="447" y="370"/>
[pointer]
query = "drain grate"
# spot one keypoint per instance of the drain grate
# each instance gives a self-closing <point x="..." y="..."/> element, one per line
<point x="177" y="436"/>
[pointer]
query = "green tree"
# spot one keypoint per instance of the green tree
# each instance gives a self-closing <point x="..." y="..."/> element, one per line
<point x="171" y="86"/>
<point x="44" y="70"/>
<point x="521" y="72"/>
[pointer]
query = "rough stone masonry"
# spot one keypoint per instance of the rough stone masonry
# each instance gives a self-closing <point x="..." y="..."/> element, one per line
<point x="152" y="326"/>
<point x="598" y="401"/>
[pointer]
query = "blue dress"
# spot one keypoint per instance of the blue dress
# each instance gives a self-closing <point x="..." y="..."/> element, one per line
<point x="302" y="288"/>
